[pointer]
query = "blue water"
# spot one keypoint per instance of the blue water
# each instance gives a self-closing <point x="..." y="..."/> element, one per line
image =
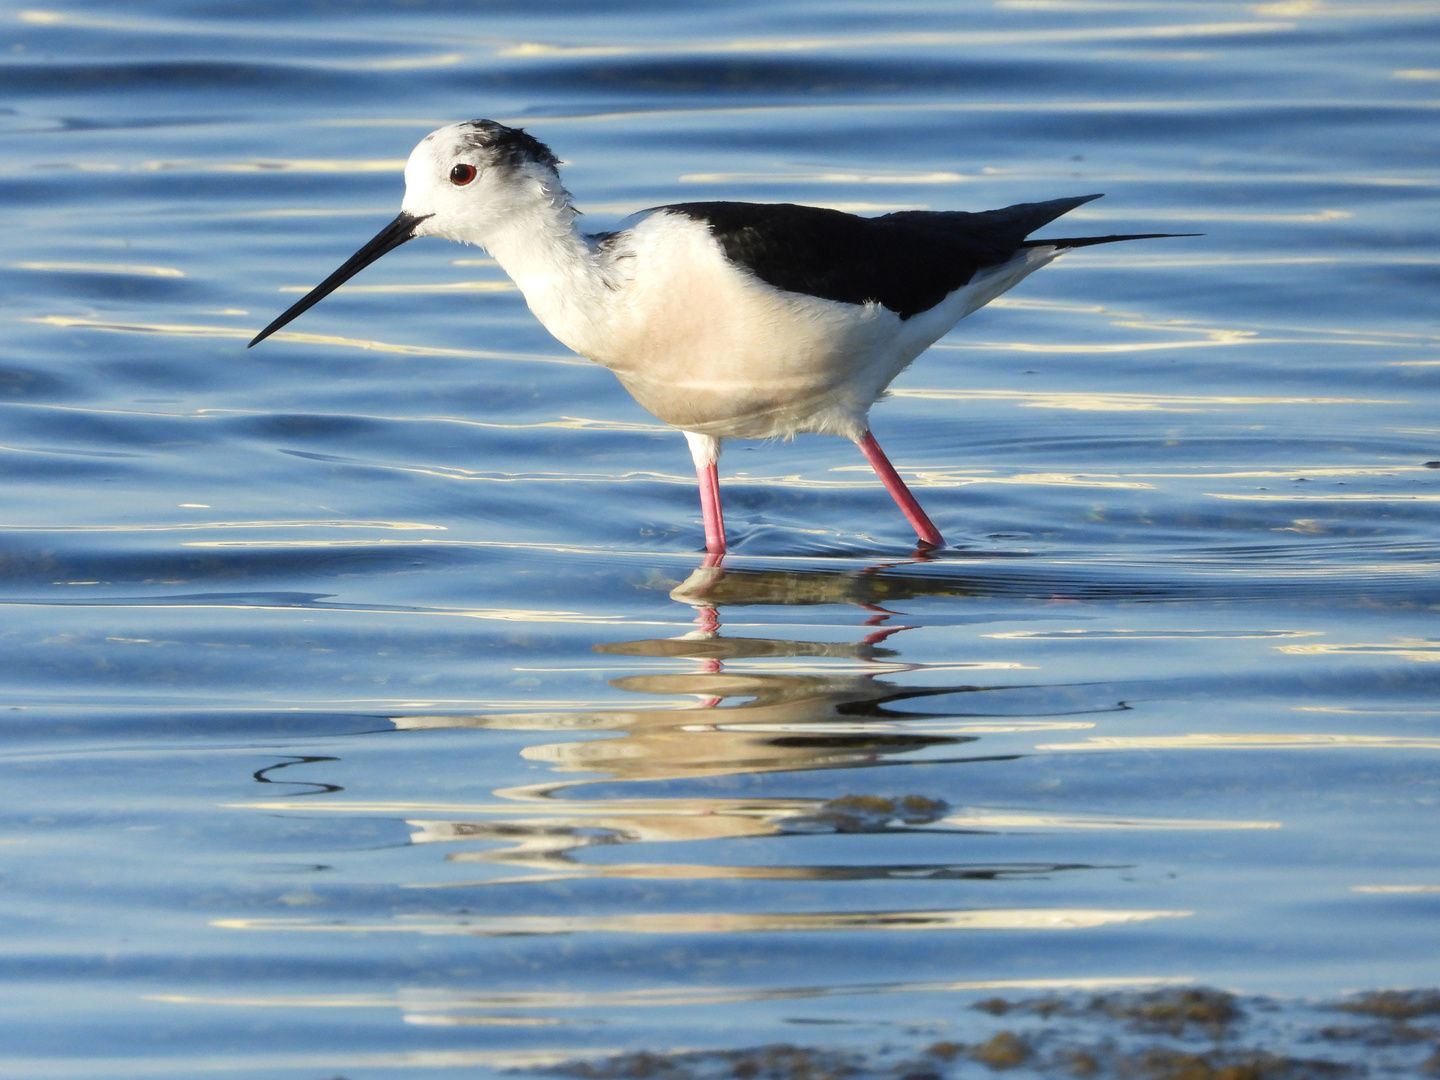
<point x="364" y="711"/>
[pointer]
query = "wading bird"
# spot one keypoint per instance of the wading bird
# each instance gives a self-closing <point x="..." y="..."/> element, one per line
<point x="723" y="319"/>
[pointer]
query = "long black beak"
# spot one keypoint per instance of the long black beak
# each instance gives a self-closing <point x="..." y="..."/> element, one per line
<point x="388" y="239"/>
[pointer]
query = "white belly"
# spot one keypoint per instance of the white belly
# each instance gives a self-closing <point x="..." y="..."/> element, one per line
<point x="709" y="347"/>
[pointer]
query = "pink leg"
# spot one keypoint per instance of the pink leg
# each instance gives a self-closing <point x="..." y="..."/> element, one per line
<point x="710" y="507"/>
<point x="708" y="619"/>
<point x="912" y="510"/>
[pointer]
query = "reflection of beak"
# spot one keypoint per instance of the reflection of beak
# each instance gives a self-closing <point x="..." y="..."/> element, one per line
<point x="388" y="239"/>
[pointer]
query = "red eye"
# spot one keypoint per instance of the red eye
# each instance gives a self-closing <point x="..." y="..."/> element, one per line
<point x="461" y="175"/>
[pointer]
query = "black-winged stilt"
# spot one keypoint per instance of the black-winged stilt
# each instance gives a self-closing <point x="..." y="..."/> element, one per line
<point x="723" y="319"/>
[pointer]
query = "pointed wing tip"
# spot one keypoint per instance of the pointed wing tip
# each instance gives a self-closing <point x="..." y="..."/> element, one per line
<point x="1072" y="242"/>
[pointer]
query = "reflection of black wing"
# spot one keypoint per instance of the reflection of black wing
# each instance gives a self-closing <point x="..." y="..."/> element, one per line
<point x="907" y="261"/>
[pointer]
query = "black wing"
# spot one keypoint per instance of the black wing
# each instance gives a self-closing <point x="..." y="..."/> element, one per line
<point x="907" y="261"/>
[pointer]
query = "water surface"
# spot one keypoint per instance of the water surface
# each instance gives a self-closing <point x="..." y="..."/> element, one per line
<point x="369" y="710"/>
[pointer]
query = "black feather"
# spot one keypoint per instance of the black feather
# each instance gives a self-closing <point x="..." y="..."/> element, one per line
<point x="907" y="261"/>
<point x="512" y="146"/>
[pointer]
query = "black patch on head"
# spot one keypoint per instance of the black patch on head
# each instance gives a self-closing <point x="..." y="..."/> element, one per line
<point x="907" y="261"/>
<point x="510" y="146"/>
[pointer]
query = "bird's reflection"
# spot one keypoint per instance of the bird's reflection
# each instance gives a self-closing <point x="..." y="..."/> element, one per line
<point x="834" y="716"/>
<point x="841" y="709"/>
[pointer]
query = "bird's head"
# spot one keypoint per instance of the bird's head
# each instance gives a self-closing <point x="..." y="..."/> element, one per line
<point x="467" y="182"/>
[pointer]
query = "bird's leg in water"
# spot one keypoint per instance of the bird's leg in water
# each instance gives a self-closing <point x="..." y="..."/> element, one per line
<point x="705" y="450"/>
<point x="710" y="508"/>
<point x="914" y="513"/>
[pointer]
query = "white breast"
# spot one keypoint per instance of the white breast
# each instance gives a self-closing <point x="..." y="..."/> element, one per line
<point x="708" y="347"/>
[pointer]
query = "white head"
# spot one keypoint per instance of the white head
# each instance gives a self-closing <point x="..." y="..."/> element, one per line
<point x="470" y="182"/>
<point x="468" y="179"/>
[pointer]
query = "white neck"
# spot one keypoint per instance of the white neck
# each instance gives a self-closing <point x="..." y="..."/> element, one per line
<point x="559" y="273"/>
